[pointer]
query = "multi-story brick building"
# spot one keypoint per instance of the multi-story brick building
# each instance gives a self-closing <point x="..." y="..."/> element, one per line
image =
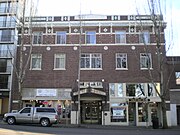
<point x="174" y="73"/>
<point x="9" y="13"/>
<point x="114" y="54"/>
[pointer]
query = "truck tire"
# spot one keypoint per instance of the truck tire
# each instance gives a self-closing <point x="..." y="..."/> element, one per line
<point x="11" y="120"/>
<point x="45" y="122"/>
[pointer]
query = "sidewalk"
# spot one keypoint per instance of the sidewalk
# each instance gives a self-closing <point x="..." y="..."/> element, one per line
<point x="108" y="127"/>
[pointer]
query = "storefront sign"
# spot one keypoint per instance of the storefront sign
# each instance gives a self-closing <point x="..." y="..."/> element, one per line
<point x="118" y="113"/>
<point x="46" y="92"/>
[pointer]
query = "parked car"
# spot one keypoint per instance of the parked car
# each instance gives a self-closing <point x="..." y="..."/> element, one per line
<point x="46" y="116"/>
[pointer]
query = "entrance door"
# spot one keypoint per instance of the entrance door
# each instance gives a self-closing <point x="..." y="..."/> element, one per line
<point x="132" y="113"/>
<point x="91" y="112"/>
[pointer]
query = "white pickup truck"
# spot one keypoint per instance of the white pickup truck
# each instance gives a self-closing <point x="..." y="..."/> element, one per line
<point x="46" y="116"/>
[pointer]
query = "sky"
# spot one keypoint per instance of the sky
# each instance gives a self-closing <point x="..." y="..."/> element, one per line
<point x="170" y="10"/>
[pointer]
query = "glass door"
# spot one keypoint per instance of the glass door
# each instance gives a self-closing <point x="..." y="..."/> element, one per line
<point x="132" y="113"/>
<point x="91" y="112"/>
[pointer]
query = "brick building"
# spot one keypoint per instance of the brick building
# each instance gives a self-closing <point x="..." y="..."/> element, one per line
<point x="174" y="72"/>
<point x="114" y="54"/>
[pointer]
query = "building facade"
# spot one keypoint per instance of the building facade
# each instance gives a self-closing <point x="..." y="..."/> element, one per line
<point x="174" y="73"/>
<point x="101" y="61"/>
<point x="9" y="13"/>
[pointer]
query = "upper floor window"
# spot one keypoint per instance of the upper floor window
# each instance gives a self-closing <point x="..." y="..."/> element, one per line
<point x="90" y="37"/>
<point x="121" y="61"/>
<point x="91" y="61"/>
<point x="37" y="37"/>
<point x="59" y="61"/>
<point x="36" y="60"/>
<point x="61" y="37"/>
<point x="120" y="37"/>
<point x="8" y="7"/>
<point x="144" y="37"/>
<point x="145" y="61"/>
<point x="7" y="35"/>
<point x="177" y="74"/>
<point x="7" y="21"/>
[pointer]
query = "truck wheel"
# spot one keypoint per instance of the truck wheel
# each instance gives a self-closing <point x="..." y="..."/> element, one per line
<point x="45" y="122"/>
<point x="11" y="120"/>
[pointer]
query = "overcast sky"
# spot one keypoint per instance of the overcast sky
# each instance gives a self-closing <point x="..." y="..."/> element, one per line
<point x="170" y="9"/>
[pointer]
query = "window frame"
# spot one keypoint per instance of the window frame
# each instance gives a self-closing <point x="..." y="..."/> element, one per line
<point x="37" y="57"/>
<point x="90" y="60"/>
<point x="122" y="57"/>
<point x="145" y="66"/>
<point x="90" y="37"/>
<point x="144" y="37"/>
<point x="62" y="56"/>
<point x="120" y="37"/>
<point x="39" y="37"/>
<point x="61" y="37"/>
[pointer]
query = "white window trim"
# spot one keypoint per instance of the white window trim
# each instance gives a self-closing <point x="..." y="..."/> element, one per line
<point x="31" y="68"/>
<point x="86" y="38"/>
<point x="55" y="62"/>
<point x="119" y="31"/>
<point x="126" y="62"/>
<point x="65" y="37"/>
<point x="151" y="67"/>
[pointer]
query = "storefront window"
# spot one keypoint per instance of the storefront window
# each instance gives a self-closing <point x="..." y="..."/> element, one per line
<point x="112" y="89"/>
<point x="142" y="112"/>
<point x="120" y="90"/>
<point x="135" y="90"/>
<point x="118" y="112"/>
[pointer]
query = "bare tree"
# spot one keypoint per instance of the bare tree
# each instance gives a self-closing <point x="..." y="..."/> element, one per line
<point x="22" y="59"/>
<point x="154" y="7"/>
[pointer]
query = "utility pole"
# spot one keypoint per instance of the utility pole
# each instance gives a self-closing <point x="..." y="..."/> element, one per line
<point x="79" y="72"/>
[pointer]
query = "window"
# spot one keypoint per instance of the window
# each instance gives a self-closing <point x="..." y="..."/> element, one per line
<point x="121" y="61"/>
<point x="135" y="90"/>
<point x="145" y="61"/>
<point x="120" y="37"/>
<point x="177" y="74"/>
<point x="116" y="90"/>
<point x="91" y="61"/>
<point x="7" y="50"/>
<point x="151" y="90"/>
<point x="118" y="112"/>
<point x="90" y="37"/>
<point x="7" y="21"/>
<point x="59" y="61"/>
<point x="26" y="110"/>
<point x="46" y="110"/>
<point x="7" y="35"/>
<point x="61" y="37"/>
<point x="142" y="112"/>
<point x="144" y="37"/>
<point x="4" y="81"/>
<point x="3" y="7"/>
<point x="37" y="38"/>
<point x="36" y="61"/>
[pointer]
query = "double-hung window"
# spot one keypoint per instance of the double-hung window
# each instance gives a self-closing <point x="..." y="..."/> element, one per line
<point x="120" y="37"/>
<point x="144" y="37"/>
<point x="36" y="60"/>
<point x="121" y="61"/>
<point x="145" y="61"/>
<point x="59" y="61"/>
<point x="90" y="37"/>
<point x="37" y="37"/>
<point x="91" y="61"/>
<point x="61" y="37"/>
